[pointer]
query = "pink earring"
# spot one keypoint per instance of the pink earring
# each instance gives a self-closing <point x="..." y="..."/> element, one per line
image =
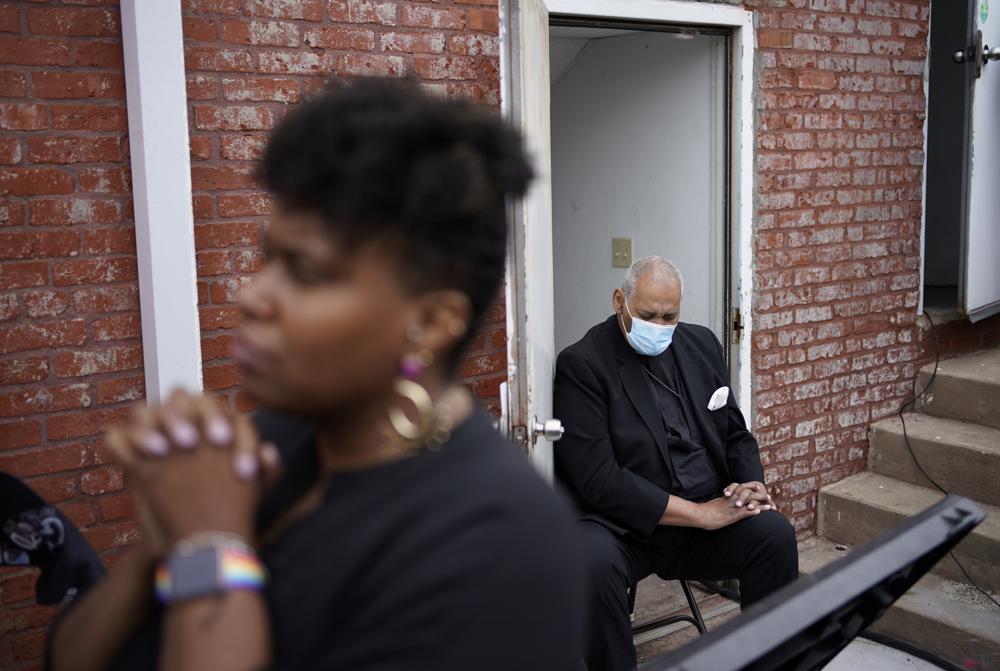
<point x="414" y="363"/>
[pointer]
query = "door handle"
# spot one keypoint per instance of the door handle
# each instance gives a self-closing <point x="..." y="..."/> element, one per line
<point x="550" y="429"/>
<point x="978" y="53"/>
<point x="988" y="54"/>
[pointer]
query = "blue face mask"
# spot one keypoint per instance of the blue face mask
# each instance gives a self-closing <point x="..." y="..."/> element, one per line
<point x="647" y="338"/>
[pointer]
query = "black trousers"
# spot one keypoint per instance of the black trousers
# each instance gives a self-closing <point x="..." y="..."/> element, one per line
<point x="761" y="551"/>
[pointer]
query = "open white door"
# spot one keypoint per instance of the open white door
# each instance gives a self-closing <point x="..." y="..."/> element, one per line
<point x="525" y="68"/>
<point x="982" y="269"/>
<point x="530" y="329"/>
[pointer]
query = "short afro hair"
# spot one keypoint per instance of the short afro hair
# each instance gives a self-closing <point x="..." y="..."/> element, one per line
<point x="383" y="160"/>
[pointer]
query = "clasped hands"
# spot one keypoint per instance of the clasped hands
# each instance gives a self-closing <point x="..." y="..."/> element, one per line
<point x="750" y="494"/>
<point x="738" y="502"/>
<point x="194" y="466"/>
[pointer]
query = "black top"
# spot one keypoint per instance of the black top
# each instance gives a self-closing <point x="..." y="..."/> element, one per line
<point x="692" y="474"/>
<point x="612" y="458"/>
<point x="459" y="559"/>
<point x="33" y="533"/>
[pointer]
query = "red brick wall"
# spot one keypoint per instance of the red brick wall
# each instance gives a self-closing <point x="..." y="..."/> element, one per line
<point x="839" y="178"/>
<point x="246" y="62"/>
<point x="70" y="353"/>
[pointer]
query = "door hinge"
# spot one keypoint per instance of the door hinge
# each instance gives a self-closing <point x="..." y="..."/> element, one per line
<point x="737" y="325"/>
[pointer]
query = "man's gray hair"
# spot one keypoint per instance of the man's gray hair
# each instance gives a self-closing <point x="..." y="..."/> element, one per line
<point x="656" y="267"/>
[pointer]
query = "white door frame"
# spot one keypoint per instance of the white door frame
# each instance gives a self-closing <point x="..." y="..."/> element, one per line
<point x="740" y="22"/>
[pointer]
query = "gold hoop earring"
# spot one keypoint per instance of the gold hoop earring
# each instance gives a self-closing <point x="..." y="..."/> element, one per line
<point x="408" y="429"/>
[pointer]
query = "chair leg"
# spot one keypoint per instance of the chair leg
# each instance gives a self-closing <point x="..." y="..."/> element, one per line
<point x="693" y="604"/>
<point x="693" y="619"/>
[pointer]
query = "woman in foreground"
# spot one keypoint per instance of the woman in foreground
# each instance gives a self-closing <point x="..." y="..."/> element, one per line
<point x="370" y="517"/>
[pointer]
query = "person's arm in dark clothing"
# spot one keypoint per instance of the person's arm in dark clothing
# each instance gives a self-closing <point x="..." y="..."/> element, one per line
<point x="742" y="451"/>
<point x="586" y="455"/>
<point x="88" y="636"/>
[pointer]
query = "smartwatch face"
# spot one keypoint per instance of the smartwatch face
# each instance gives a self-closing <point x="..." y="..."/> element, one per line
<point x="195" y="574"/>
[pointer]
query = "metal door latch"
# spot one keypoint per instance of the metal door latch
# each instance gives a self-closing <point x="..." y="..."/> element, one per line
<point x="736" y="326"/>
<point x="983" y="51"/>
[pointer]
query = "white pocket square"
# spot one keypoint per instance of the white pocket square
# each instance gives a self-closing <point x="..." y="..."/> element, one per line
<point x="719" y="398"/>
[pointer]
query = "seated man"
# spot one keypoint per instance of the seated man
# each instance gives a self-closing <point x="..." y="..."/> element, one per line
<point x="657" y="455"/>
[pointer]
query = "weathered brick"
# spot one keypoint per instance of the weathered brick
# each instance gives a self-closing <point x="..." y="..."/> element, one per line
<point x="413" y="42"/>
<point x="340" y="37"/>
<point x="380" y="12"/>
<point x="93" y="271"/>
<point x="120" y="326"/>
<point x="76" y="21"/>
<point x="294" y="62"/>
<point x="272" y="33"/>
<point x="74" y="211"/>
<point x="74" y="149"/>
<point x="307" y="10"/>
<point x="38" y="399"/>
<point x="18" y="50"/>
<point x="89" y="362"/>
<point x="218" y="59"/>
<point x="77" y="85"/>
<point x="268" y="89"/>
<point x="233" y="117"/>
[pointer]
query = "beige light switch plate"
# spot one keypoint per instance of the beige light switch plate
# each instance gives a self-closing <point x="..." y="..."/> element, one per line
<point x="621" y="252"/>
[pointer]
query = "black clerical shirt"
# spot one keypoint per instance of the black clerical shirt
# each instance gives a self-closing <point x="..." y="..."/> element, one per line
<point x="693" y="476"/>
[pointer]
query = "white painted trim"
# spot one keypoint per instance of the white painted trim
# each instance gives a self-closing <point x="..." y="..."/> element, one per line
<point x="673" y="11"/>
<point x="690" y="13"/>
<point x="743" y="195"/>
<point x="923" y="181"/>
<point x="161" y="191"/>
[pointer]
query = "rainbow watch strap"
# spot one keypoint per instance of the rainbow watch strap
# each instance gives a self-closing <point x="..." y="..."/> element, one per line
<point x="233" y="569"/>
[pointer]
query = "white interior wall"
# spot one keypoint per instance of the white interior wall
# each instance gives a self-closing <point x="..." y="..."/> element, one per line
<point x="636" y="152"/>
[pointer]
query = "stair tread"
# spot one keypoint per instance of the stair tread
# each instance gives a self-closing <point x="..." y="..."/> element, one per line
<point x="967" y="435"/>
<point x="904" y="498"/>
<point x="979" y="367"/>
<point x="945" y="602"/>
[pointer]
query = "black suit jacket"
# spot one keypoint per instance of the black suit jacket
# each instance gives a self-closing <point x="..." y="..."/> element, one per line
<point x="612" y="458"/>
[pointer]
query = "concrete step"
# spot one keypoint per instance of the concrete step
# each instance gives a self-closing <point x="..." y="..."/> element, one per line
<point x="948" y="618"/>
<point x="962" y="457"/>
<point x="863" y="506"/>
<point x="967" y="388"/>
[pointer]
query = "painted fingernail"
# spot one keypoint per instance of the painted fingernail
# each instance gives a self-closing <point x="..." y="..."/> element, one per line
<point x="739" y="503"/>
<point x="269" y="454"/>
<point x="154" y="443"/>
<point x="184" y="434"/>
<point x="726" y="493"/>
<point x="245" y="466"/>
<point x="219" y="432"/>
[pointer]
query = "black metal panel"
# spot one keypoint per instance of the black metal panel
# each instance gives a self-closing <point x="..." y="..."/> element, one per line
<point x="805" y="625"/>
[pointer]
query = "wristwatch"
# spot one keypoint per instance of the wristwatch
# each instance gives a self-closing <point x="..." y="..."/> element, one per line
<point x="196" y="570"/>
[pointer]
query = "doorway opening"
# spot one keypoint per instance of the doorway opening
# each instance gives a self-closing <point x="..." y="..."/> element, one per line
<point x="531" y="266"/>
<point x="961" y="240"/>
<point x="948" y="126"/>
<point x="639" y="142"/>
